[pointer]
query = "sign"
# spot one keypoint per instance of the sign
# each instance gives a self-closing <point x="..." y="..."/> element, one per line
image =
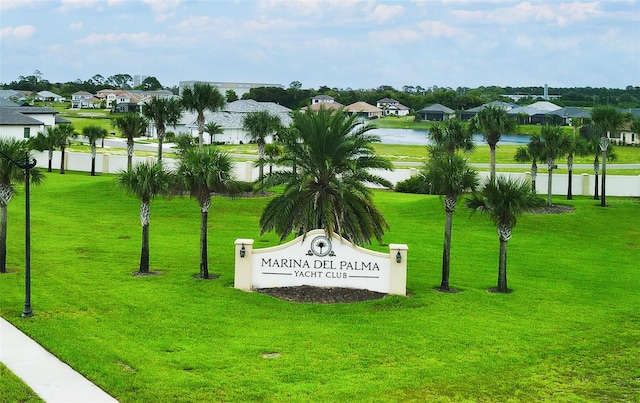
<point x="317" y="260"/>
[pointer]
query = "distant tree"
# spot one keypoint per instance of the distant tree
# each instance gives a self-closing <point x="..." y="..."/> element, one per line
<point x="62" y="137"/>
<point x="554" y="146"/>
<point x="121" y="81"/>
<point x="150" y="84"/>
<point x="10" y="174"/>
<point x="231" y="95"/>
<point x="199" y="98"/>
<point x="213" y="128"/>
<point x="93" y="134"/>
<point x="162" y="112"/>
<point x="533" y="153"/>
<point x="503" y="199"/>
<point x="131" y="125"/>
<point x="45" y="141"/>
<point x="202" y="172"/>
<point x="449" y="174"/>
<point x="145" y="180"/>
<point x="492" y="122"/>
<point x="607" y="120"/>
<point x="259" y="125"/>
<point x="329" y="157"/>
<point x="184" y="142"/>
<point x="576" y="145"/>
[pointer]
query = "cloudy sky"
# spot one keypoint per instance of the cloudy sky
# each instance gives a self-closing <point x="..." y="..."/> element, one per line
<point x="338" y="43"/>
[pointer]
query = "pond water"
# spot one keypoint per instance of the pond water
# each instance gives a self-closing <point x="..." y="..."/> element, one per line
<point x="419" y="137"/>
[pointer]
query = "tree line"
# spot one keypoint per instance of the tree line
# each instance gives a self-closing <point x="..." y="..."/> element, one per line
<point x="414" y="97"/>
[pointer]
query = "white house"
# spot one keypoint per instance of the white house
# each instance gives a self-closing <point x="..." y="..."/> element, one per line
<point x="390" y="106"/>
<point x="231" y="119"/>
<point x="21" y="122"/>
<point x="49" y="96"/>
<point x="84" y="99"/>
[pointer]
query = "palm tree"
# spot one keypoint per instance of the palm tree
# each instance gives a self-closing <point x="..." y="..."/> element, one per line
<point x="145" y="180"/>
<point x="554" y="145"/>
<point x="131" y="125"/>
<point x="45" y="141"/>
<point x="62" y="136"/>
<point x="576" y="145"/>
<point x="492" y="122"/>
<point x="199" y="98"/>
<point x="504" y="200"/>
<point x="202" y="172"/>
<point x="259" y="125"/>
<point x="329" y="156"/>
<point x="449" y="174"/>
<point x="607" y="119"/>
<point x="10" y="174"/>
<point x="272" y="151"/>
<point x="531" y="152"/>
<point x="93" y="134"/>
<point x="451" y="136"/>
<point x="162" y="112"/>
<point x="213" y="128"/>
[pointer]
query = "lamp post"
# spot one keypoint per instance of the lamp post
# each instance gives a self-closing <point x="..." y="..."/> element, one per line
<point x="27" y="166"/>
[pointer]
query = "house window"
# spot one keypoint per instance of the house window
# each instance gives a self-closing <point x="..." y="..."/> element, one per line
<point x="27" y="132"/>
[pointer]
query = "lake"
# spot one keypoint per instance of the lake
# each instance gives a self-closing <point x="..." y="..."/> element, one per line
<point x="419" y="137"/>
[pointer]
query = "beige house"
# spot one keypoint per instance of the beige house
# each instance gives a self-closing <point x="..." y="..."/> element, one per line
<point x="364" y="110"/>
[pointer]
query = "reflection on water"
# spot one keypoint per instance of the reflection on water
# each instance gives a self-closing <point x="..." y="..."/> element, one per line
<point x="419" y="137"/>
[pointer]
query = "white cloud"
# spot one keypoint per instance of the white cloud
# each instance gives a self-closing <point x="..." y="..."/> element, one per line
<point x="76" y="26"/>
<point x="396" y="36"/>
<point x="141" y="40"/>
<point x="383" y="13"/>
<point x="161" y="6"/>
<point x="71" y="4"/>
<point x="20" y="32"/>
<point x="9" y="4"/>
<point x="438" y="29"/>
<point x="559" y="13"/>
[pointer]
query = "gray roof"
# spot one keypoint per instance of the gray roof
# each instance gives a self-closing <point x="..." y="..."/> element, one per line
<point x="436" y="108"/>
<point x="12" y="116"/>
<point x="10" y="94"/>
<point x="233" y="113"/>
<point x="5" y="102"/>
<point x="504" y="105"/>
<point x="571" y="112"/>
<point x="48" y="94"/>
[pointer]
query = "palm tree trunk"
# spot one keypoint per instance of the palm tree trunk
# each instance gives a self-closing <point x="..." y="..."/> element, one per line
<point x="200" y="129"/>
<point x="596" y="167"/>
<point x="204" y="261"/>
<point x="3" y="238"/>
<point x="446" y="249"/>
<point x="93" y="159"/>
<point x="504" y="233"/>
<point x="62" y="160"/>
<point x="534" y="175"/>
<point x="160" y="140"/>
<point x="604" y="144"/>
<point x="492" y="173"/>
<point x="129" y="154"/>
<point x="261" y="157"/>
<point x="550" y="164"/>
<point x="144" y="219"/>
<point x="50" y="167"/>
<point x="570" y="179"/>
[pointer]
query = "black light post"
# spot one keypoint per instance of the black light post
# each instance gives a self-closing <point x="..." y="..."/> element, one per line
<point x="27" y="166"/>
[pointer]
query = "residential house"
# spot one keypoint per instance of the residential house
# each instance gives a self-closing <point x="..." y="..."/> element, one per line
<point x="231" y="120"/>
<point x="626" y="136"/>
<point x="435" y="113"/>
<point x="48" y="96"/>
<point x="364" y="110"/>
<point x="469" y="113"/>
<point x="83" y="100"/>
<point x="390" y="106"/>
<point x="21" y="122"/>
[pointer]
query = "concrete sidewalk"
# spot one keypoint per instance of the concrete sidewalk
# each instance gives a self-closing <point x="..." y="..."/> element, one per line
<point x="51" y="379"/>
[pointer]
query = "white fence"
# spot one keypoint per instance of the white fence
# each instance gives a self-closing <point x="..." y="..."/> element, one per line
<point x="617" y="185"/>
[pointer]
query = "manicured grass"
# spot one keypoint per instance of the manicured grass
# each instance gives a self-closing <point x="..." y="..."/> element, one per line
<point x="12" y="389"/>
<point x="568" y="332"/>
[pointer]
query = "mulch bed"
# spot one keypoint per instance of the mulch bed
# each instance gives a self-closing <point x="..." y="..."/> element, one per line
<point x="554" y="209"/>
<point x="321" y="295"/>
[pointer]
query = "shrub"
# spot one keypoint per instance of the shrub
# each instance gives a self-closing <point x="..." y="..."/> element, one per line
<point x="415" y="184"/>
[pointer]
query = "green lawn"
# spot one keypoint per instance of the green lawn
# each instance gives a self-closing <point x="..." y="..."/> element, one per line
<point x="568" y="332"/>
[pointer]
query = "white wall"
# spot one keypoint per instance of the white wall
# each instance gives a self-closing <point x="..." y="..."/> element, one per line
<point x="617" y="185"/>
